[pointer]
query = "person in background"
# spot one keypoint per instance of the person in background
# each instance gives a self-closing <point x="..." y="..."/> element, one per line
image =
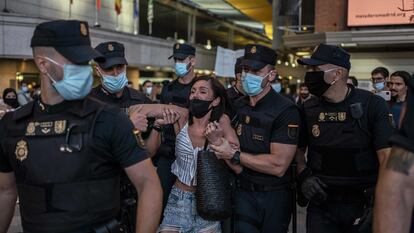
<point x="150" y="90"/>
<point x="236" y="89"/>
<point x="10" y="98"/>
<point x="130" y="84"/>
<point x="352" y="81"/>
<point x="398" y="87"/>
<point x="304" y="94"/>
<point x="379" y="77"/>
<point x="24" y="95"/>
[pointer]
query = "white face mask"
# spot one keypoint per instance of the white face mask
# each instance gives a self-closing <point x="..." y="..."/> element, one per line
<point x="148" y="90"/>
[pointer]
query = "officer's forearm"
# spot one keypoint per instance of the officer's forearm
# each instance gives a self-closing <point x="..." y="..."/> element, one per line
<point x="153" y="143"/>
<point x="149" y="205"/>
<point x="270" y="164"/>
<point x="8" y="198"/>
<point x="393" y="207"/>
<point x="394" y="194"/>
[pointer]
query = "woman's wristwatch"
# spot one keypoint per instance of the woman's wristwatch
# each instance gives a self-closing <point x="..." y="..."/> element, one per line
<point x="236" y="158"/>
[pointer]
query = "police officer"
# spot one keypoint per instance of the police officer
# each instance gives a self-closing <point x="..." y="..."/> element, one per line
<point x="267" y="128"/>
<point x="65" y="151"/>
<point x="114" y="91"/>
<point x="346" y="135"/>
<point x="394" y="203"/>
<point x="236" y="91"/>
<point x="176" y="93"/>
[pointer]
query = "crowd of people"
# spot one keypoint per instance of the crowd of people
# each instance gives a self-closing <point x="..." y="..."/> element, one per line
<point x="111" y="158"/>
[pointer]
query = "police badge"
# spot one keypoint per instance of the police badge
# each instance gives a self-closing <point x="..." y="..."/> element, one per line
<point x="341" y="116"/>
<point x="21" y="151"/>
<point x="315" y="131"/>
<point x="239" y="130"/>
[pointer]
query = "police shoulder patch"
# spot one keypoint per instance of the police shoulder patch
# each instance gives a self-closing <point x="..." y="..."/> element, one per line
<point x="293" y="130"/>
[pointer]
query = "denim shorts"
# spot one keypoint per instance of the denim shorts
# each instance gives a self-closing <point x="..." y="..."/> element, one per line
<point x="180" y="215"/>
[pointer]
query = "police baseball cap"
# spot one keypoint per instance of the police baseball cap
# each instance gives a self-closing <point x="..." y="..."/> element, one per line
<point x="69" y="37"/>
<point x="113" y="52"/>
<point x="237" y="67"/>
<point x="257" y="56"/>
<point x="328" y="54"/>
<point x="182" y="51"/>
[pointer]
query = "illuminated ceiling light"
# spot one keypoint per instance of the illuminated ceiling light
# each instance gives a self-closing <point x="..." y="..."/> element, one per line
<point x="207" y="72"/>
<point x="148" y="67"/>
<point x="302" y="53"/>
<point x="349" y="45"/>
<point x="293" y="65"/>
<point x="279" y="62"/>
<point x="208" y="45"/>
<point x="298" y="81"/>
<point x="290" y="77"/>
<point x="286" y="63"/>
<point x="181" y="41"/>
<point x="304" y="28"/>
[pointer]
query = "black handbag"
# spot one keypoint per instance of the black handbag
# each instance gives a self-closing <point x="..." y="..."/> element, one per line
<point x="213" y="193"/>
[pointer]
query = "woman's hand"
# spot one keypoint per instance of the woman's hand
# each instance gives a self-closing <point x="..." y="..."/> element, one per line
<point x="214" y="133"/>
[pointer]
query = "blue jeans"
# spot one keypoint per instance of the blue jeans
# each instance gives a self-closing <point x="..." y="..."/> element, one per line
<point x="180" y="215"/>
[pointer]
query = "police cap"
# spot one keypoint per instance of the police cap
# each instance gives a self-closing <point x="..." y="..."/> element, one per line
<point x="69" y="37"/>
<point x="328" y="54"/>
<point x="113" y="52"/>
<point x="182" y="51"/>
<point x="257" y="56"/>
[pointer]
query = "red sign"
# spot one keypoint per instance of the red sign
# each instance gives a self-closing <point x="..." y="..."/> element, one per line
<point x="380" y="12"/>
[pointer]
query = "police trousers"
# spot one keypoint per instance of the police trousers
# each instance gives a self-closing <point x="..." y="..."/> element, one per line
<point x="333" y="217"/>
<point x="263" y="212"/>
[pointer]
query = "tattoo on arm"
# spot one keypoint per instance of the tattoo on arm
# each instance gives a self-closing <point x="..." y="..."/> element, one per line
<point x="400" y="160"/>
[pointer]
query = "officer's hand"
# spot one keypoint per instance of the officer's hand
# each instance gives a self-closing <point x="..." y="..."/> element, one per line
<point x="3" y="109"/>
<point x="214" y="133"/>
<point x="169" y="116"/>
<point x="223" y="151"/>
<point x="139" y="120"/>
<point x="313" y="189"/>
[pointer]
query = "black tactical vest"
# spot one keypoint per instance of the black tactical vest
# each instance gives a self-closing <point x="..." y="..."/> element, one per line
<point x="340" y="147"/>
<point x="254" y="131"/>
<point x="176" y="94"/>
<point x="63" y="182"/>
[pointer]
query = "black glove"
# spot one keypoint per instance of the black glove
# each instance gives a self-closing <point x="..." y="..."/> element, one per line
<point x="312" y="189"/>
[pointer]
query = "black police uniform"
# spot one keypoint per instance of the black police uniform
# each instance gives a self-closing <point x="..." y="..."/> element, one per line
<point x="262" y="201"/>
<point x="67" y="158"/>
<point x="342" y="140"/>
<point x="405" y="137"/>
<point x="174" y="93"/>
<point x="114" y="54"/>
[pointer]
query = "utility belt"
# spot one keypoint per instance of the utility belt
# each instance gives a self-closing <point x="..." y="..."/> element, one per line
<point x="247" y="185"/>
<point x="92" y="196"/>
<point x="345" y="182"/>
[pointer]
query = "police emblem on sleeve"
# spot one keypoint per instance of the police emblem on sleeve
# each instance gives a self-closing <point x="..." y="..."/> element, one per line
<point x="293" y="131"/>
<point x="316" y="131"/>
<point x="321" y="116"/>
<point x="21" y="151"/>
<point x="239" y="130"/>
<point x="60" y="127"/>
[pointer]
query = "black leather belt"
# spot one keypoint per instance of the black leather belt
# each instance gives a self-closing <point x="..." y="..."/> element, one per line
<point x="252" y="187"/>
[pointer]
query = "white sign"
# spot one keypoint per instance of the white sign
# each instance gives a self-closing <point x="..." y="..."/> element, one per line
<point x="225" y="61"/>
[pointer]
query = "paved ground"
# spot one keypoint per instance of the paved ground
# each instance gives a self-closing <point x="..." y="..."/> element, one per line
<point x="15" y="226"/>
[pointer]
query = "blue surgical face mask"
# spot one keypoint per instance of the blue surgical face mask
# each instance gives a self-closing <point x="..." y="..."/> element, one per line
<point x="25" y="89"/>
<point x="114" y="84"/>
<point x="379" y="86"/>
<point x="277" y="87"/>
<point x="252" y="84"/>
<point x="181" y="69"/>
<point x="76" y="83"/>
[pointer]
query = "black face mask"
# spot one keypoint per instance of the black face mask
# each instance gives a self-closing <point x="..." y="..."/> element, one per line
<point x="315" y="82"/>
<point x="304" y="96"/>
<point x="199" y="108"/>
<point x="12" y="102"/>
